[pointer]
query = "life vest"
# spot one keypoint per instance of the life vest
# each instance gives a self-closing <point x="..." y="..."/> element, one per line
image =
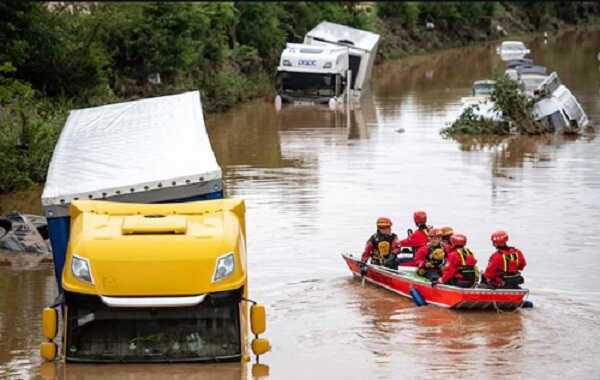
<point x="468" y="272"/>
<point x="511" y="275"/>
<point x="381" y="245"/>
<point x="436" y="256"/>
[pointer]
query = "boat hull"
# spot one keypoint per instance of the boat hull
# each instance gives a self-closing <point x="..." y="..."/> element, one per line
<point x="403" y="280"/>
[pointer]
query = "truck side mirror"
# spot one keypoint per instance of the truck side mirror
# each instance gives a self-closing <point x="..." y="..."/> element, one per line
<point x="258" y="319"/>
<point x="260" y="346"/>
<point x="50" y="322"/>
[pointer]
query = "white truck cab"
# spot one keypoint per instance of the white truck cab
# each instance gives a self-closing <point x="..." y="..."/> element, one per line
<point x="312" y="73"/>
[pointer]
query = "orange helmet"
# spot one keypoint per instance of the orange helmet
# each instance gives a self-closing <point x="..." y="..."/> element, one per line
<point x="435" y="232"/>
<point x="447" y="231"/>
<point x="384" y="222"/>
<point x="420" y="217"/>
<point x="458" y="240"/>
<point x="499" y="238"/>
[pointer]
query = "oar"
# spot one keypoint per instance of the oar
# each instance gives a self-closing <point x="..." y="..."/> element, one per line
<point x="363" y="271"/>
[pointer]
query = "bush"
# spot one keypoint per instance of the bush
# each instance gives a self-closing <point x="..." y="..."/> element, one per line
<point x="408" y="12"/>
<point x="514" y="106"/>
<point x="469" y="124"/>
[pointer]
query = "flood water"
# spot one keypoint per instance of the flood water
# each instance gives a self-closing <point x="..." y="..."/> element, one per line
<point x="315" y="181"/>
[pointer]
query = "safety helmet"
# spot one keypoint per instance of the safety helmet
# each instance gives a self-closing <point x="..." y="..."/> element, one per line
<point x="458" y="240"/>
<point x="499" y="238"/>
<point x="383" y="222"/>
<point x="447" y="231"/>
<point x="420" y="217"/>
<point x="435" y="232"/>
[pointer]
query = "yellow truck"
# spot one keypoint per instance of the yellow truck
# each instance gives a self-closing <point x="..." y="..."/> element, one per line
<point x="150" y="259"/>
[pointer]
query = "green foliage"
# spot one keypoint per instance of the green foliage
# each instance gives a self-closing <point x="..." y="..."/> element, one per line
<point x="29" y="129"/>
<point x="469" y="124"/>
<point x="259" y="26"/>
<point x="513" y="105"/>
<point x="406" y="11"/>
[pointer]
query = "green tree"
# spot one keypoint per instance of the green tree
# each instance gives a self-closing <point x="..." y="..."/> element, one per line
<point x="408" y="12"/>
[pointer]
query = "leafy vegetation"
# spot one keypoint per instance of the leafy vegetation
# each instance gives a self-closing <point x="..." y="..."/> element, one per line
<point x="510" y="102"/>
<point x="57" y="56"/>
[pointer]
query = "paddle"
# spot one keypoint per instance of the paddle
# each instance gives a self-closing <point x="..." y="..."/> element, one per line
<point x="363" y="271"/>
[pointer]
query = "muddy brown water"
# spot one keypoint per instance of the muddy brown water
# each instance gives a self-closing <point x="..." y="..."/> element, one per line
<point x="314" y="185"/>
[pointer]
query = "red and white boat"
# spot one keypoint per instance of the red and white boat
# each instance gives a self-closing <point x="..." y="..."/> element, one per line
<point x="403" y="280"/>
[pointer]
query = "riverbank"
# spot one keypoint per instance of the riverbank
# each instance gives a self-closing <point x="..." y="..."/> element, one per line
<point x="92" y="54"/>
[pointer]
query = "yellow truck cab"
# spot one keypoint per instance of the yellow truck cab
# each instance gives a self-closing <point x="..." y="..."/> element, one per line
<point x="155" y="269"/>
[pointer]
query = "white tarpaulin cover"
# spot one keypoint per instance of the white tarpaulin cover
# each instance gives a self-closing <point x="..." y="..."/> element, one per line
<point x="331" y="32"/>
<point x="140" y="145"/>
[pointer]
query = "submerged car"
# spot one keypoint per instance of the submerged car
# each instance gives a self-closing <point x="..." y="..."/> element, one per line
<point x="24" y="233"/>
<point x="510" y="50"/>
<point x="480" y="101"/>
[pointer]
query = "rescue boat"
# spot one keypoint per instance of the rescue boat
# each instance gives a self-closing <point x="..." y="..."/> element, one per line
<point x="403" y="280"/>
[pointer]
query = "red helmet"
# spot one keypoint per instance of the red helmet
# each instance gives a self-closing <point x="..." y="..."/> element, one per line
<point x="499" y="238"/>
<point x="383" y="222"/>
<point x="458" y="240"/>
<point x="420" y="217"/>
<point x="435" y="232"/>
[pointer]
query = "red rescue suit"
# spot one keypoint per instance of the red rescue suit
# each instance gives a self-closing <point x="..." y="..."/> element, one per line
<point x="505" y="264"/>
<point x="460" y="264"/>
<point x="416" y="240"/>
<point x="372" y="249"/>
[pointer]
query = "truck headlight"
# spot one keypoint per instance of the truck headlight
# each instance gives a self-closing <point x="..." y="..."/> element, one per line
<point x="287" y="62"/>
<point x="80" y="268"/>
<point x="225" y="266"/>
<point x="327" y="65"/>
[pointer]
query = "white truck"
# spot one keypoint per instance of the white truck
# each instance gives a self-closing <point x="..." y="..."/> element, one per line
<point x="315" y="74"/>
<point x="351" y="53"/>
<point x="557" y="107"/>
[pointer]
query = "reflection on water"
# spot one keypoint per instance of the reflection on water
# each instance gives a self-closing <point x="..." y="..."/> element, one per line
<point x="515" y="151"/>
<point x="315" y="181"/>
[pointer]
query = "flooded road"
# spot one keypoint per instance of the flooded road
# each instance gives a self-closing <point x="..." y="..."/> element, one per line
<point x="315" y="181"/>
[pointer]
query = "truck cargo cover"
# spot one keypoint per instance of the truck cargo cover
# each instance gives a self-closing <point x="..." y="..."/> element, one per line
<point x="334" y="33"/>
<point x="131" y="147"/>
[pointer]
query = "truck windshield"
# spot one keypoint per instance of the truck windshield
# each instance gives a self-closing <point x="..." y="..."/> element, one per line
<point x="307" y="84"/>
<point x="98" y="333"/>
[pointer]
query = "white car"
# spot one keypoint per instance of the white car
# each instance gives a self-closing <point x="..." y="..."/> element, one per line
<point x="480" y="101"/>
<point x="510" y="50"/>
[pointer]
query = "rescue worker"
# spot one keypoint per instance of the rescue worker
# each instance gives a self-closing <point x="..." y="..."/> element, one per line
<point x="505" y="265"/>
<point x="446" y="233"/>
<point x="460" y="269"/>
<point x="430" y="258"/>
<point x="382" y="246"/>
<point x="415" y="240"/>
